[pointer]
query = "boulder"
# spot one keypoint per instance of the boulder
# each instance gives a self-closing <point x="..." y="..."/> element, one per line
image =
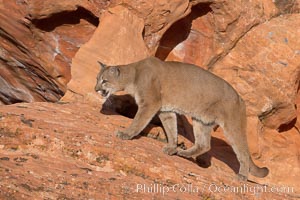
<point x="264" y="68"/>
<point x="248" y="44"/>
<point x="117" y="40"/>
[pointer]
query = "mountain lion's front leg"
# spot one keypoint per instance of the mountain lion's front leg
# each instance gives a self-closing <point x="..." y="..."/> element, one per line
<point x="142" y="118"/>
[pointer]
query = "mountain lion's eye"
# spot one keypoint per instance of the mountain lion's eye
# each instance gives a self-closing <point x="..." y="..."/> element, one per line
<point x="104" y="81"/>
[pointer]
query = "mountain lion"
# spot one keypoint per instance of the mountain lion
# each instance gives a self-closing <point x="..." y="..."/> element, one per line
<point x="168" y="88"/>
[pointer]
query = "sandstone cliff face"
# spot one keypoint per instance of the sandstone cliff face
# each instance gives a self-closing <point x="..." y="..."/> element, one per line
<point x="245" y="42"/>
<point x="37" y="50"/>
<point x="49" y="49"/>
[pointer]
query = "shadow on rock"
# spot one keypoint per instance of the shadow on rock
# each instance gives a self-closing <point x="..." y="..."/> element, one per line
<point x="120" y="105"/>
<point x="221" y="151"/>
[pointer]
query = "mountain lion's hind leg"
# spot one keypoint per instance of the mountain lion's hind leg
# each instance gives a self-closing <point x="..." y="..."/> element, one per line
<point x="168" y="119"/>
<point x="202" y="140"/>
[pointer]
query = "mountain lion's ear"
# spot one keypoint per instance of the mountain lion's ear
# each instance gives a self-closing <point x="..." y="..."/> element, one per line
<point x="115" y="71"/>
<point x="103" y="66"/>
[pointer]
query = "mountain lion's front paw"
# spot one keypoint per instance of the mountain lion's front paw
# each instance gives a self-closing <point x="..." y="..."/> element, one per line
<point x="183" y="153"/>
<point x="123" y="136"/>
<point x="170" y="150"/>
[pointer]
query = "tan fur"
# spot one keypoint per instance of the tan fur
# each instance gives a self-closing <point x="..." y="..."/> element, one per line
<point x="167" y="88"/>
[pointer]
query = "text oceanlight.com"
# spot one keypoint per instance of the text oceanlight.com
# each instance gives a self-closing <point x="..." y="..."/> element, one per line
<point x="212" y="188"/>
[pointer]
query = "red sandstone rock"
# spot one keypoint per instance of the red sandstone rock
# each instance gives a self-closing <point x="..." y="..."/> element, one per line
<point x="70" y="151"/>
<point x="118" y="40"/>
<point x="36" y="53"/>
<point x="248" y="55"/>
<point x="268" y="54"/>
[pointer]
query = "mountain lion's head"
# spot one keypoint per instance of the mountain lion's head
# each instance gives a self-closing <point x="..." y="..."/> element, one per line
<point x="108" y="80"/>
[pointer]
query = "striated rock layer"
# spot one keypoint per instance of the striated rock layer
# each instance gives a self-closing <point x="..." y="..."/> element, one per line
<point x="69" y="151"/>
<point x="38" y="42"/>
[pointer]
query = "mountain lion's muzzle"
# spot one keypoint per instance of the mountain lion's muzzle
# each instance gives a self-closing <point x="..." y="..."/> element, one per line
<point x="103" y="93"/>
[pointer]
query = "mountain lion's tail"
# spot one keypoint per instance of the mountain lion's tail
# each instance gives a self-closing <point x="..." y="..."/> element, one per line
<point x="257" y="171"/>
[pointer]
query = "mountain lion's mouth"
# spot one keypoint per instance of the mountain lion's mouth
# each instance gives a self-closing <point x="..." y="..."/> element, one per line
<point x="103" y="93"/>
